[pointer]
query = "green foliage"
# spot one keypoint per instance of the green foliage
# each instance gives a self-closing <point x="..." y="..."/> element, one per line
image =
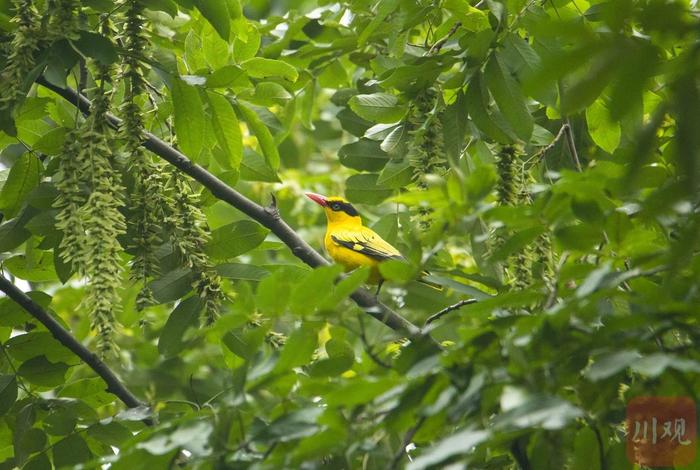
<point x="540" y="157"/>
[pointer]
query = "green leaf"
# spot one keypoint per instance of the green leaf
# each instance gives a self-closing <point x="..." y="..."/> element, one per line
<point x="352" y="123"/>
<point x="71" y="451"/>
<point x="611" y="363"/>
<point x="313" y="288"/>
<point x="272" y="293"/>
<point x="31" y="441"/>
<point x="35" y="268"/>
<point x="586" y="451"/>
<point x="364" y="155"/>
<point x="398" y="270"/>
<point x="578" y="237"/>
<point x="235" y="239"/>
<point x="340" y="358"/>
<point x="364" y="189"/>
<point x="168" y="6"/>
<point x="246" y="48"/>
<point x="359" y="391"/>
<point x="396" y="174"/>
<point x="480" y="182"/>
<point x="172" y="285"/>
<point x="245" y="343"/>
<point x="32" y="108"/>
<point x="260" y="67"/>
<point x="40" y="371"/>
<point x="8" y="392"/>
<point x="477" y="102"/>
<point x="60" y="422"/>
<point x="454" y="125"/>
<point x="535" y="411"/>
<point x="345" y="288"/>
<point x="262" y="133"/>
<point x="472" y="18"/>
<point x="184" y="316"/>
<point x="247" y="272"/>
<point x="218" y="15"/>
<point x="227" y="131"/>
<point x="51" y="143"/>
<point x="112" y="433"/>
<point x="377" y="107"/>
<point x="26" y="346"/>
<point x="228" y="76"/>
<point x="23" y="178"/>
<point x="13" y="232"/>
<point x="299" y="347"/>
<point x="603" y="130"/>
<point x="384" y="8"/>
<point x="14" y="315"/>
<point x="269" y="94"/>
<point x="97" y="47"/>
<point x="255" y="168"/>
<point x="189" y="117"/>
<point x="462" y="442"/>
<point x="509" y="98"/>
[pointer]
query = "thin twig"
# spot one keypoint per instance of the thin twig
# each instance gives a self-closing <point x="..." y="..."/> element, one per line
<point x="447" y="310"/>
<point x="114" y="385"/>
<point x="541" y="154"/>
<point x="438" y="45"/>
<point x="406" y="441"/>
<point x="368" y="347"/>
<point x="555" y="281"/>
<point x="572" y="146"/>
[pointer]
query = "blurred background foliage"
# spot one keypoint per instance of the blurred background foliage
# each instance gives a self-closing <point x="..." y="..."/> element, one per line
<point x="538" y="156"/>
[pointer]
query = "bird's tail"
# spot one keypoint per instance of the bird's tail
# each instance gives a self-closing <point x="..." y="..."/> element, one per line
<point x="428" y="283"/>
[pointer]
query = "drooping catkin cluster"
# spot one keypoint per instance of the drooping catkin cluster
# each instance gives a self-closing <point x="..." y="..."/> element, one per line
<point x="513" y="190"/>
<point x="521" y="262"/>
<point x="427" y="147"/>
<point x="63" y="20"/>
<point x="145" y="200"/>
<point x="505" y="189"/>
<point x="535" y="260"/>
<point x="22" y="57"/>
<point x="89" y="202"/>
<point x="189" y="234"/>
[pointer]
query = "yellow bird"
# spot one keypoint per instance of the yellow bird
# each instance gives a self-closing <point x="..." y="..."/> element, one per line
<point x="351" y="244"/>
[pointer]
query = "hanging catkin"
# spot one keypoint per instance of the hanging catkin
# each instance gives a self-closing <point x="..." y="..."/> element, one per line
<point x="427" y="147"/>
<point x="89" y="201"/>
<point x="187" y="227"/>
<point x="146" y="201"/>
<point x="22" y="57"/>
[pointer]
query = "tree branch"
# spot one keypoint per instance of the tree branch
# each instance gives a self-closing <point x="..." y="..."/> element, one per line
<point x="269" y="219"/>
<point x="569" y="133"/>
<point x="447" y="310"/>
<point x="114" y="385"/>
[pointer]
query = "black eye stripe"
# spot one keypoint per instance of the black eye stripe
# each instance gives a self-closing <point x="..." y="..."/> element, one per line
<point x="346" y="207"/>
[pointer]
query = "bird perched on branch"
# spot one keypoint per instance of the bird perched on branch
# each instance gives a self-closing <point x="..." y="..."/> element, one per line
<point x="353" y="245"/>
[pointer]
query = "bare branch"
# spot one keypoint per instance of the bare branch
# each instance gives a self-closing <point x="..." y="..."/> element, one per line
<point x="438" y="45"/>
<point x="569" y="133"/>
<point x="114" y="385"/>
<point x="302" y="250"/>
<point x="406" y="441"/>
<point x="541" y="154"/>
<point x="447" y="310"/>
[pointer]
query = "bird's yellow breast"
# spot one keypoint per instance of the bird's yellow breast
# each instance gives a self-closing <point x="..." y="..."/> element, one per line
<point x="348" y="258"/>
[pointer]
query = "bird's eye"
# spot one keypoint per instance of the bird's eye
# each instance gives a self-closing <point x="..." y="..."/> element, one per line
<point x="335" y="206"/>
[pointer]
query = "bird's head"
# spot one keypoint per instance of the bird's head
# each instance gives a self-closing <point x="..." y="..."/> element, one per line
<point x="337" y="209"/>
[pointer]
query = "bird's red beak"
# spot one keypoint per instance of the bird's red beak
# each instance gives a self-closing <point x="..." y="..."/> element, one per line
<point x="318" y="199"/>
